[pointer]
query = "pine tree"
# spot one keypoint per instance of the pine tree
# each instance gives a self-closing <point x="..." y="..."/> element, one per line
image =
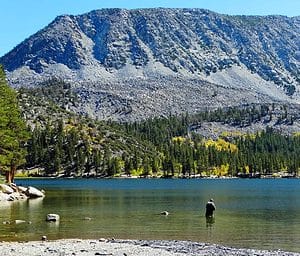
<point x="13" y="131"/>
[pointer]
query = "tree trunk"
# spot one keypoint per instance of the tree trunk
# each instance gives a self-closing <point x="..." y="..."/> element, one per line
<point x="13" y="170"/>
<point x="10" y="175"/>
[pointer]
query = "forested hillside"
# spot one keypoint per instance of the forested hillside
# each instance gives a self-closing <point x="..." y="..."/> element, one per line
<point x="59" y="143"/>
<point x="161" y="147"/>
<point x="66" y="144"/>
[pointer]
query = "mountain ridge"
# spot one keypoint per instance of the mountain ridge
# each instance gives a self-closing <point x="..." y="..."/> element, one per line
<point x="156" y="61"/>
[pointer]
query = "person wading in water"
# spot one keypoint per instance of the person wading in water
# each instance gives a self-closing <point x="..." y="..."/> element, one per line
<point x="210" y="208"/>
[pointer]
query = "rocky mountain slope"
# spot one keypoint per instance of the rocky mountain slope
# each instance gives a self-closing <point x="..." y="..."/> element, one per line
<point x="132" y="64"/>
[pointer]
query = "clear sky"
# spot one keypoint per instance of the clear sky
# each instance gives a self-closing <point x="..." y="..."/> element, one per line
<point x="21" y="18"/>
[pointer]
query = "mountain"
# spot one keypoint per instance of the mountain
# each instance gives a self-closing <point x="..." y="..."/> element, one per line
<point x="133" y="64"/>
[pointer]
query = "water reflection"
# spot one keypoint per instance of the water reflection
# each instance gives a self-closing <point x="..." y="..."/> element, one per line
<point x="35" y="203"/>
<point x="210" y="220"/>
<point x="53" y="226"/>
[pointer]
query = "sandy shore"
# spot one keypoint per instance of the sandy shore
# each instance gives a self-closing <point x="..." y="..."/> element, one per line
<point x="125" y="248"/>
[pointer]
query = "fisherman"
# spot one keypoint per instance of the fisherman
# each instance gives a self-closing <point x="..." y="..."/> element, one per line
<point x="210" y="208"/>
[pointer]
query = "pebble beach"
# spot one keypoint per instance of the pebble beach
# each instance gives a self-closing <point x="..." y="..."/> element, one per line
<point x="71" y="247"/>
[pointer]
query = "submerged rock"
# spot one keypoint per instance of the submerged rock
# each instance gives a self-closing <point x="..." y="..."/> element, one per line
<point x="20" y="221"/>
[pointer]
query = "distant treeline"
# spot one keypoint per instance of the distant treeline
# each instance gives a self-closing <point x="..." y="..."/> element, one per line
<point x="163" y="147"/>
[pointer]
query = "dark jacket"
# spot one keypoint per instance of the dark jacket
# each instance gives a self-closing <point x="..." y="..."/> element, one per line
<point x="210" y="207"/>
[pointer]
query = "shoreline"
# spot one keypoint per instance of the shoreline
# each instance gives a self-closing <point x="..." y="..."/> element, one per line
<point x="153" y="178"/>
<point x="118" y="247"/>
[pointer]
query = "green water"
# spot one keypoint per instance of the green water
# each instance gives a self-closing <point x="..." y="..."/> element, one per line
<point x="262" y="214"/>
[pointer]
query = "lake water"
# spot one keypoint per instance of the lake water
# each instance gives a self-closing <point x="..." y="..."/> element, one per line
<point x="258" y="213"/>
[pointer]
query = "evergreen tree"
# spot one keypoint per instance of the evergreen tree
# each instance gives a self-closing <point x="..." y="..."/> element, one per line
<point x="13" y="131"/>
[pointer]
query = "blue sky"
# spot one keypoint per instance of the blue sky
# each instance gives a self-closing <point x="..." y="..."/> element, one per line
<point x="21" y="18"/>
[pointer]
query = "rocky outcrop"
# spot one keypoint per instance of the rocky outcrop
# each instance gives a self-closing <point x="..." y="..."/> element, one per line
<point x="13" y="192"/>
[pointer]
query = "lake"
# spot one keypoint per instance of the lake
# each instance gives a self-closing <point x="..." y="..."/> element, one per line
<point x="251" y="213"/>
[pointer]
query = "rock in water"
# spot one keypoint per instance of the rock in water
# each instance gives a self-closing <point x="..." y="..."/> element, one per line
<point x="32" y="192"/>
<point x="20" y="221"/>
<point x="164" y="213"/>
<point x="52" y="217"/>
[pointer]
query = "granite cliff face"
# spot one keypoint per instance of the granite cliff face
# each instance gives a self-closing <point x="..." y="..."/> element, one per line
<point x="131" y="64"/>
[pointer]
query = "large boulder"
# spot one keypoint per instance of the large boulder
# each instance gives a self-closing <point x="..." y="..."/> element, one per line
<point x="3" y="196"/>
<point x="33" y="192"/>
<point x="14" y="187"/>
<point x="6" y="189"/>
<point x="22" y="189"/>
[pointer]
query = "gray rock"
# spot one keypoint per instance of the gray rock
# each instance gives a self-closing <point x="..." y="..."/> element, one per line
<point x="11" y="198"/>
<point x="6" y="189"/>
<point x="3" y="196"/>
<point x="22" y="189"/>
<point x="52" y="217"/>
<point x="164" y="213"/>
<point x="33" y="192"/>
<point x="20" y="221"/>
